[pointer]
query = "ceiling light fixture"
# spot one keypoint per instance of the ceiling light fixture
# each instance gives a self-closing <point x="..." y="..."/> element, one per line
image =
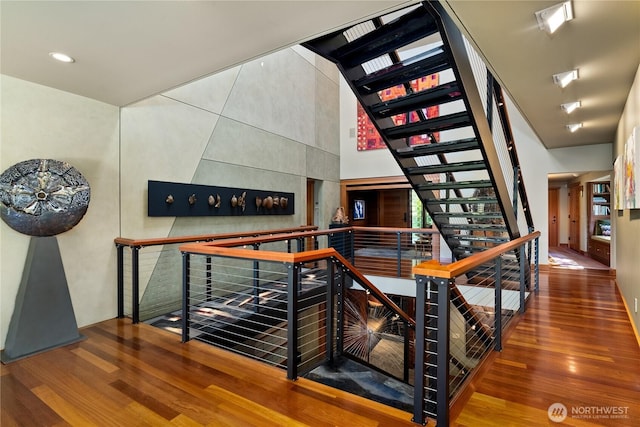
<point x="563" y="79"/>
<point x="58" y="56"/>
<point x="551" y="18"/>
<point x="574" y="127"/>
<point x="569" y="107"/>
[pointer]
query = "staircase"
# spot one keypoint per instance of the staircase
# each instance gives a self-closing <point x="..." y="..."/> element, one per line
<point x="450" y="158"/>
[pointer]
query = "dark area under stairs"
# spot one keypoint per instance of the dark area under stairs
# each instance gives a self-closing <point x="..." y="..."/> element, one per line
<point x="448" y="158"/>
<point x="353" y="377"/>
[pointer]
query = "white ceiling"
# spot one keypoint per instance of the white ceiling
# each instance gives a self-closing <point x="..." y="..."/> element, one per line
<point x="129" y="50"/>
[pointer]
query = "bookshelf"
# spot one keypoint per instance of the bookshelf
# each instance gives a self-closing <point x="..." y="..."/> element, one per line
<point x="599" y="213"/>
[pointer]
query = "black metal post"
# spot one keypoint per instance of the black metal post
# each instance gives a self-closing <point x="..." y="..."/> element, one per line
<point x="208" y="276"/>
<point x="498" y="310"/>
<point x="120" y="273"/>
<point x="516" y="177"/>
<point x="135" y="284"/>
<point x="523" y="272"/>
<point x="256" y="281"/>
<point x="444" y="315"/>
<point x="423" y="289"/>
<point x="537" y="265"/>
<point x="292" y="322"/>
<point x="186" y="265"/>
<point x="407" y="365"/>
<point x="399" y="243"/>
<point x="340" y="290"/>
<point x="330" y="311"/>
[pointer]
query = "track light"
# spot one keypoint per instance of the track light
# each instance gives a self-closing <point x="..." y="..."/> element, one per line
<point x="551" y="18"/>
<point x="563" y="79"/>
<point x="569" y="107"/>
<point x="574" y="127"/>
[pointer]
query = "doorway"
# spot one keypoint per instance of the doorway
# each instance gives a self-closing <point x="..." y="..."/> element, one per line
<point x="575" y="191"/>
<point x="554" y="212"/>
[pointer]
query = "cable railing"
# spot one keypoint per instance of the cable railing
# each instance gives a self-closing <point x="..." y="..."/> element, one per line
<point x="148" y="270"/>
<point x="461" y="312"/>
<point x="257" y="302"/>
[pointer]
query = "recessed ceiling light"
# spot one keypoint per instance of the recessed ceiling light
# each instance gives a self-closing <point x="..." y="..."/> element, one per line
<point x="58" y="56"/>
<point x="551" y="18"/>
<point x="569" y="107"/>
<point x="563" y="79"/>
<point x="574" y="127"/>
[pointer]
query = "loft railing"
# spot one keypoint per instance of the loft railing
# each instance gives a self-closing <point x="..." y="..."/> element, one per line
<point x="148" y="270"/>
<point x="257" y="303"/>
<point x="320" y="302"/>
<point x="153" y="266"/>
<point x="480" y="281"/>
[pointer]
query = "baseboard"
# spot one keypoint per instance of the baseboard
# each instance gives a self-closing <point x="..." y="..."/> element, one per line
<point x="626" y="307"/>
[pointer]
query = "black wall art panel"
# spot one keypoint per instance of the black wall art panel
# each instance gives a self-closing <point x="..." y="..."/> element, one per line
<point x="176" y="199"/>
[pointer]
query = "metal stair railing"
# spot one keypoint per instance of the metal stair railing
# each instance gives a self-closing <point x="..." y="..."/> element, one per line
<point x="482" y="281"/>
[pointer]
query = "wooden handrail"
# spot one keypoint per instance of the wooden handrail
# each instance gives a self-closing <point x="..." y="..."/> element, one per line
<point x="449" y="271"/>
<point x="394" y="230"/>
<point x="124" y="241"/>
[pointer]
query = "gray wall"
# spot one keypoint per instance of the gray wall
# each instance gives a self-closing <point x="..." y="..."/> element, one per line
<point x="626" y="223"/>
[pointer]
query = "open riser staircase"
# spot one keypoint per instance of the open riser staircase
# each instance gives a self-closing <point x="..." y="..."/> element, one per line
<point x="403" y="67"/>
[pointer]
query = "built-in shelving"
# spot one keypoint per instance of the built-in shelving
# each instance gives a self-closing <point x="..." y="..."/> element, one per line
<point x="599" y="220"/>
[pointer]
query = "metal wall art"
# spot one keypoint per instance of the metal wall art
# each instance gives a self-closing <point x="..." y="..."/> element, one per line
<point x="176" y="199"/>
<point x="43" y="197"/>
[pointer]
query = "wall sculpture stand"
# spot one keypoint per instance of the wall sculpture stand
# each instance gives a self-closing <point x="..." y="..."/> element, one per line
<point x="42" y="198"/>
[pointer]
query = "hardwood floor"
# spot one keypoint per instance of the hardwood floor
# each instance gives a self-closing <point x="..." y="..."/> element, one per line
<point x="574" y="346"/>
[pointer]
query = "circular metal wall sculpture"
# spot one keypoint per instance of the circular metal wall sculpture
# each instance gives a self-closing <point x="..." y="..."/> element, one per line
<point x="43" y="197"/>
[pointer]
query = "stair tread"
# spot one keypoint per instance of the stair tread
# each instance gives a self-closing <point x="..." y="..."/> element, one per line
<point x="485" y="227"/>
<point x="473" y="165"/>
<point x="454" y="185"/>
<point x="435" y="124"/>
<point x="438" y="95"/>
<point x="407" y="29"/>
<point x="463" y="201"/>
<point x="403" y="72"/>
<point x="438" y="148"/>
<point x="469" y="214"/>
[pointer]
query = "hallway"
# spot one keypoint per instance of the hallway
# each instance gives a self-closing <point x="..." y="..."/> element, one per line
<point x="574" y="346"/>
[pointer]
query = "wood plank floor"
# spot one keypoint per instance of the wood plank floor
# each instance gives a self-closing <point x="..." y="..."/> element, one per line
<point x="573" y="346"/>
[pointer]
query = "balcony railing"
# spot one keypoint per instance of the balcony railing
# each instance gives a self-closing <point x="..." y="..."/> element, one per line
<point x="149" y="269"/>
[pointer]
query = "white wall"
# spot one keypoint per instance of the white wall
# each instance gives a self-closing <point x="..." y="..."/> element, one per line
<point x="626" y="223"/>
<point x="40" y="122"/>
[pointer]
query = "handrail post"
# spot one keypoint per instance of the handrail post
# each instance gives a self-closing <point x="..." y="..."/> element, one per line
<point x="537" y="265"/>
<point x="523" y="285"/>
<point x="498" y="304"/>
<point x="422" y="292"/>
<point x="120" y="273"/>
<point x="256" y="281"/>
<point x="442" y="365"/>
<point x="135" y="284"/>
<point x="329" y="310"/>
<point x="292" y="321"/>
<point x="186" y="266"/>
<point x="399" y="243"/>
<point x="208" y="278"/>
<point x="340" y="290"/>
